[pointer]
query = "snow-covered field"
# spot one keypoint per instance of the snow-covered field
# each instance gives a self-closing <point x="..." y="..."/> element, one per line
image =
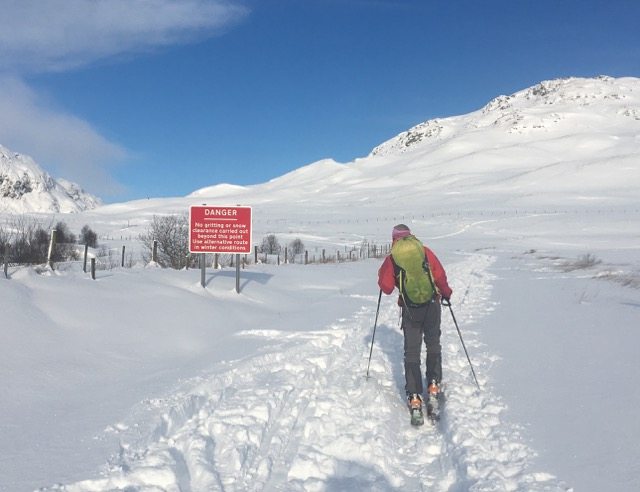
<point x="143" y="380"/>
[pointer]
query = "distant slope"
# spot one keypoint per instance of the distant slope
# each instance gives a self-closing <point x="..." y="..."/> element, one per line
<point x="568" y="141"/>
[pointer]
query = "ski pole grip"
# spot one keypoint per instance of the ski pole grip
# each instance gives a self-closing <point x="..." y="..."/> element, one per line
<point x="445" y="302"/>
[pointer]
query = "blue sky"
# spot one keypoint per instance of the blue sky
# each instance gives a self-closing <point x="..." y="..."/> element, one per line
<point x="159" y="97"/>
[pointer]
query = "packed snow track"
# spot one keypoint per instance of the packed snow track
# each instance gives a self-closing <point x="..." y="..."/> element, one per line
<point x="301" y="416"/>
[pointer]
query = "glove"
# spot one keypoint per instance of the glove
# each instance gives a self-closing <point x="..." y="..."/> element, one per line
<point x="445" y="301"/>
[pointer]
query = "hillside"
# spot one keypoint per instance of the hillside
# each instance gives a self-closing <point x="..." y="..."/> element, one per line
<point x="519" y="148"/>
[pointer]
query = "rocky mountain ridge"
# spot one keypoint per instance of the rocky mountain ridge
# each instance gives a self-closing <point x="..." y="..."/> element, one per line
<point x="537" y="108"/>
<point x="26" y="188"/>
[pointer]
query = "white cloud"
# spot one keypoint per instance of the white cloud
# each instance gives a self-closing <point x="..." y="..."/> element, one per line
<point x="51" y="35"/>
<point x="38" y="36"/>
<point x="61" y="143"/>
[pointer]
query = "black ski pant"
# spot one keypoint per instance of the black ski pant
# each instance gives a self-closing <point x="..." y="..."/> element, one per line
<point x="418" y="324"/>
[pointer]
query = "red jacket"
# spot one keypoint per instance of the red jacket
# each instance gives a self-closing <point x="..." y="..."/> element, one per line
<point x="387" y="278"/>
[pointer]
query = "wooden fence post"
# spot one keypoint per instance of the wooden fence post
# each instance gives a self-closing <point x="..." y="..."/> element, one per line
<point x="154" y="255"/>
<point x="215" y="261"/>
<point x="122" y="265"/>
<point x="6" y="260"/>
<point x="285" y="255"/>
<point x="52" y="247"/>
<point x="93" y="268"/>
<point x="255" y="252"/>
<point x="84" y="263"/>
<point x="323" y="258"/>
<point x="306" y="257"/>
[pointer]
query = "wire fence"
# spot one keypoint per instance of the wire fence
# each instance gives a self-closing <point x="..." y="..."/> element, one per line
<point x="44" y="251"/>
<point x="92" y="260"/>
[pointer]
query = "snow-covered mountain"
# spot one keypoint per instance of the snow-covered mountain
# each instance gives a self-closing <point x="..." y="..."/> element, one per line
<point x="567" y="141"/>
<point x="26" y="187"/>
<point x="559" y="106"/>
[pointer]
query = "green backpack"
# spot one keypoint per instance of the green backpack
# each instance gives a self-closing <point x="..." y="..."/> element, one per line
<point x="412" y="271"/>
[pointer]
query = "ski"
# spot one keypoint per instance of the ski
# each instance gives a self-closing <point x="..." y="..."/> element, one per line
<point x="417" y="417"/>
<point x="434" y="407"/>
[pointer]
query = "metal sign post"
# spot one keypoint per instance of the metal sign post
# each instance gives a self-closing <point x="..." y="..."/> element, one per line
<point x="238" y="273"/>
<point x="203" y="268"/>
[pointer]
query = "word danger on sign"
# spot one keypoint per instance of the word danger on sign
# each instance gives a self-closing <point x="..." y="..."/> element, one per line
<point x="219" y="229"/>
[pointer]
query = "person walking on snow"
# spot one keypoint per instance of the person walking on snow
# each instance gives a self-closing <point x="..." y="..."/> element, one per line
<point x="422" y="282"/>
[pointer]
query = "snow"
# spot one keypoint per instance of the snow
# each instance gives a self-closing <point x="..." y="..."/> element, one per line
<point x="144" y="380"/>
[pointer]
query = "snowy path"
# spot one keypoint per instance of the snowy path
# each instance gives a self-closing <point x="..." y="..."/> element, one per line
<point x="316" y="423"/>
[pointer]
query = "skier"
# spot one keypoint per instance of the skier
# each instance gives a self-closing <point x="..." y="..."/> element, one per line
<point x="422" y="282"/>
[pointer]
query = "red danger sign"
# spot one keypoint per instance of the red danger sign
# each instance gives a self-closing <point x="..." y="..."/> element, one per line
<point x="220" y="229"/>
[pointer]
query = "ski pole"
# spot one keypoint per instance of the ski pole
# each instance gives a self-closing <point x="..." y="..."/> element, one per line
<point x="374" y="332"/>
<point x="446" y="302"/>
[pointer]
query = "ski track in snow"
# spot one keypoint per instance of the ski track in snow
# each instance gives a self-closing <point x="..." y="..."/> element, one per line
<point x="316" y="422"/>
